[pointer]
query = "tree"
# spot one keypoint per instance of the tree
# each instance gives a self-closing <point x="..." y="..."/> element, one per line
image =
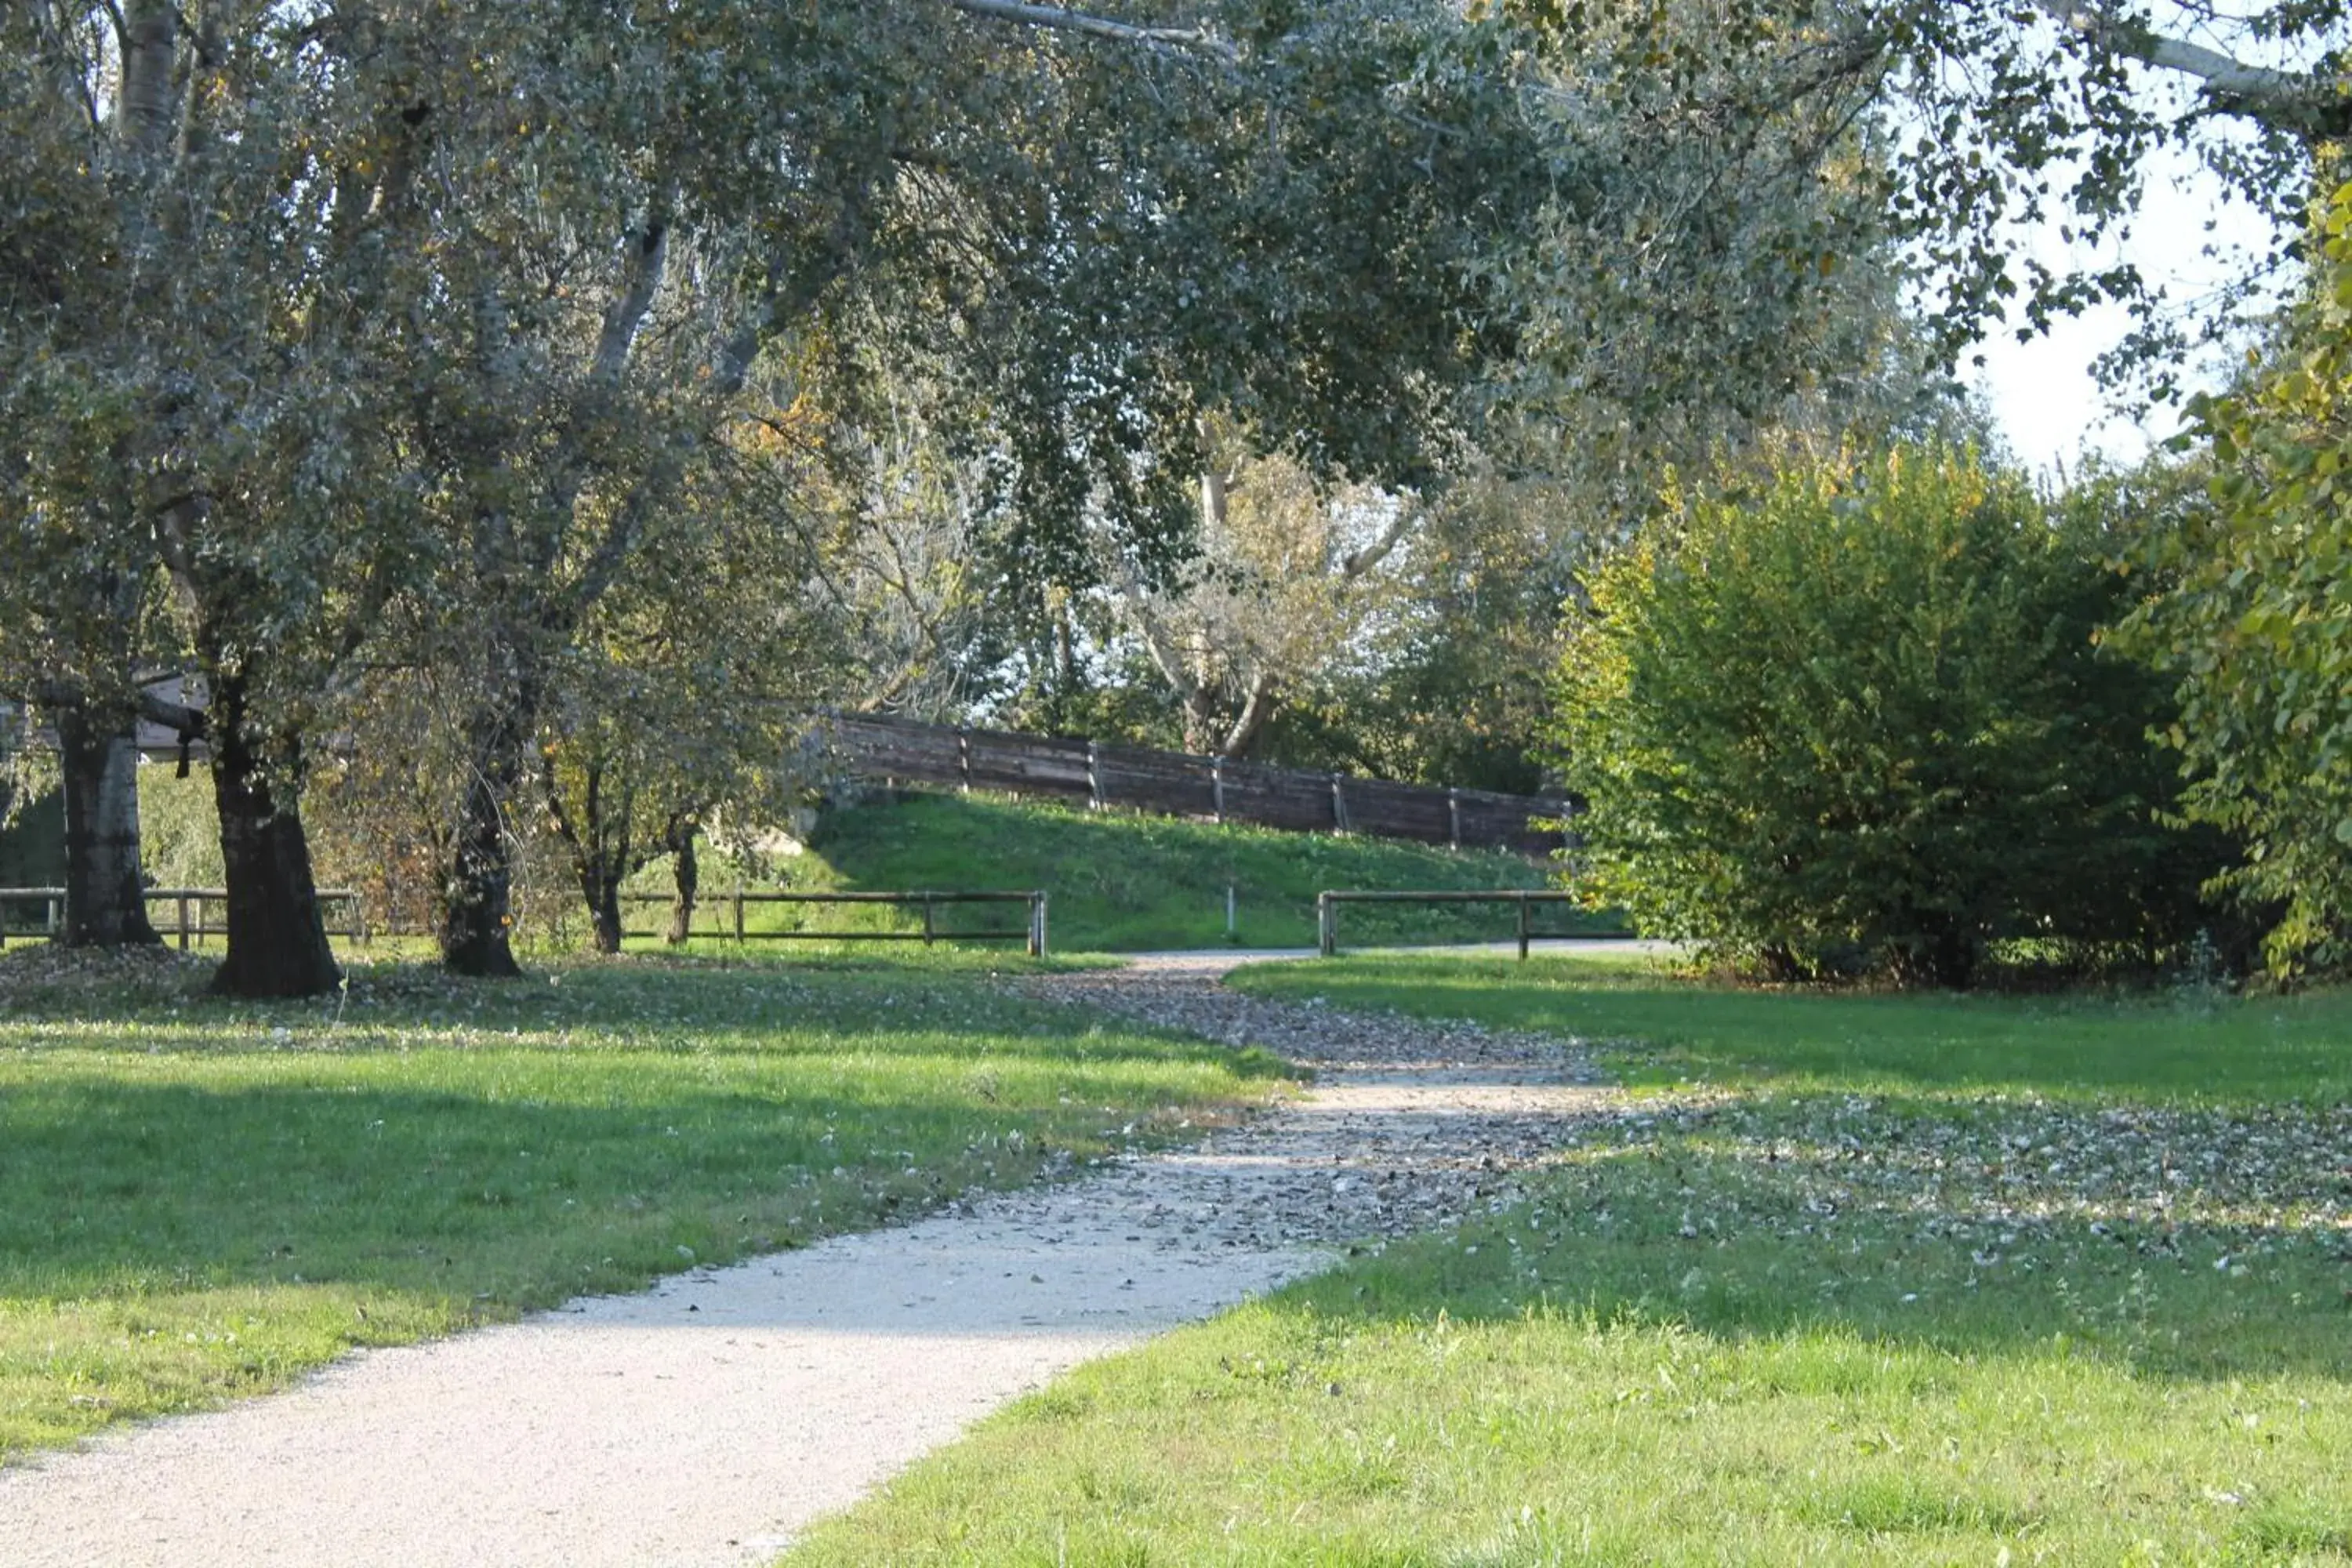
<point x="2251" y="615"/>
<point x="688" y="700"/>
<point x="1286" y="575"/>
<point x="80" y="575"/>
<point x="1860" y="714"/>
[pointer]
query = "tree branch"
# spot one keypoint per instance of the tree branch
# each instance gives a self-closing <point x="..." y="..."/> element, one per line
<point x="1255" y="711"/>
<point x="1191" y="39"/>
<point x="2284" y="98"/>
<point x="647" y="249"/>
<point x="1362" y="561"/>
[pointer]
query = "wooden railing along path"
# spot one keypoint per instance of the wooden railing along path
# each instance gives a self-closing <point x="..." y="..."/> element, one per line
<point x="1178" y="783"/>
<point x="1033" y="934"/>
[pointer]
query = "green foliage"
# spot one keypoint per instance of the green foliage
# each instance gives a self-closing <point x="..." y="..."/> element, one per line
<point x="1860" y="716"/>
<point x="179" y="830"/>
<point x="2256" y="620"/>
<point x="32" y="840"/>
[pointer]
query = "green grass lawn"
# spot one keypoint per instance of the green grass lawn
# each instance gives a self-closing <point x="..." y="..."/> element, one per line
<point x="1653" y="1027"/>
<point x="1905" y="1280"/>
<point x="200" y="1200"/>
<point x="1121" y="882"/>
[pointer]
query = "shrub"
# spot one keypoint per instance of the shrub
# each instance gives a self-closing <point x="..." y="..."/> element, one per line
<point x="1859" y="718"/>
<point x="2256" y="621"/>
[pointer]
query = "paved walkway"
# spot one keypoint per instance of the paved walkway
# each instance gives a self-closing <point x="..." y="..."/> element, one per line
<point x="708" y="1420"/>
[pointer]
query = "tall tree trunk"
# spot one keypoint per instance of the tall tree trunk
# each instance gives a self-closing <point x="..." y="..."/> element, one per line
<point x="689" y="876"/>
<point x="600" y="856"/>
<point x="477" y="899"/>
<point x="600" y="883"/>
<point x="105" y="906"/>
<point x="276" y="939"/>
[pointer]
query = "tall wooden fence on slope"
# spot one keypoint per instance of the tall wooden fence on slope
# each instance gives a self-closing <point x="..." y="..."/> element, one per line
<point x="1178" y="783"/>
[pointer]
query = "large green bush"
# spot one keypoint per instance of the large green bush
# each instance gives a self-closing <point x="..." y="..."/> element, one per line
<point x="1859" y="718"/>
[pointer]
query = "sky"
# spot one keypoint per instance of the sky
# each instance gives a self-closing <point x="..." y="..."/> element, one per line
<point x="2042" y="393"/>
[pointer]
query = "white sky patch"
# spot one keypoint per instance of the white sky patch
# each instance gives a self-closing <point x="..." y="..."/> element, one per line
<point x="2050" y="406"/>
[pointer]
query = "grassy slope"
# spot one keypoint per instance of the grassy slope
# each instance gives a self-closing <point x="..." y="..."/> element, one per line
<point x="1910" y="1281"/>
<point x="1123" y="883"/>
<point x="201" y="1200"/>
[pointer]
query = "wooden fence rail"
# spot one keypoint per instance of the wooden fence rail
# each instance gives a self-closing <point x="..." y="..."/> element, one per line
<point x="1179" y="784"/>
<point x="186" y="902"/>
<point x="929" y="902"/>
<point x="1327" y="910"/>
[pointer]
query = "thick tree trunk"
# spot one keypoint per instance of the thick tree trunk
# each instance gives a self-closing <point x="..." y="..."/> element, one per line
<point x="690" y="882"/>
<point x="105" y="906"/>
<point x="600" y="883"/>
<point x="477" y="904"/>
<point x="276" y="939"/>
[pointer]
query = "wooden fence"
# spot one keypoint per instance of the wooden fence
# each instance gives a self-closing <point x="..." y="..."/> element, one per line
<point x="1034" y="934"/>
<point x="1327" y="910"/>
<point x="1178" y="783"/>
<point x="191" y="921"/>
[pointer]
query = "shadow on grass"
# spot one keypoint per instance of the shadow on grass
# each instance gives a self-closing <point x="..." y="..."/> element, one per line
<point x="647" y="1008"/>
<point x="528" y="1143"/>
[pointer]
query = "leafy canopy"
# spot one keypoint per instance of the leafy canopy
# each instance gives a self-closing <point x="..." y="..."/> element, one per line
<point x="2256" y="621"/>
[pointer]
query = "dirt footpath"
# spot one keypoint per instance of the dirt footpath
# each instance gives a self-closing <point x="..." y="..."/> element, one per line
<point x="706" y="1421"/>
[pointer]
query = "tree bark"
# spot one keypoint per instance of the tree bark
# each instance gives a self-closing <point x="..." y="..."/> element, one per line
<point x="688" y="874"/>
<point x="600" y="881"/>
<point x="276" y="939"/>
<point x="600" y="856"/>
<point x="477" y="902"/>
<point x="105" y="902"/>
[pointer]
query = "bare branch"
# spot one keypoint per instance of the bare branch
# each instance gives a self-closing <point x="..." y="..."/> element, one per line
<point x="1157" y="641"/>
<point x="1191" y="39"/>
<point x="646" y="250"/>
<point x="1362" y="561"/>
<point x="1255" y="711"/>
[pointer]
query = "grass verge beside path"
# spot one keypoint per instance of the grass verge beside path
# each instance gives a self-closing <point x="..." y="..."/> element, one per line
<point x="200" y="1200"/>
<point x="1653" y="1028"/>
<point x="1907" y="1280"/>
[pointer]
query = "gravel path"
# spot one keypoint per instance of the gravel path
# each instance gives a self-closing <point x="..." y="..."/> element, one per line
<point x="708" y="1420"/>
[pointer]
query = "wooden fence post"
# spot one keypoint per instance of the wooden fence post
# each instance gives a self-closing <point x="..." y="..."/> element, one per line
<point x="1453" y="817"/>
<point x="1339" y="807"/>
<point x="1217" y="787"/>
<point x="184" y="923"/>
<point x="1523" y="928"/>
<point x="738" y="912"/>
<point x="929" y="930"/>
<point x="1327" y="926"/>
